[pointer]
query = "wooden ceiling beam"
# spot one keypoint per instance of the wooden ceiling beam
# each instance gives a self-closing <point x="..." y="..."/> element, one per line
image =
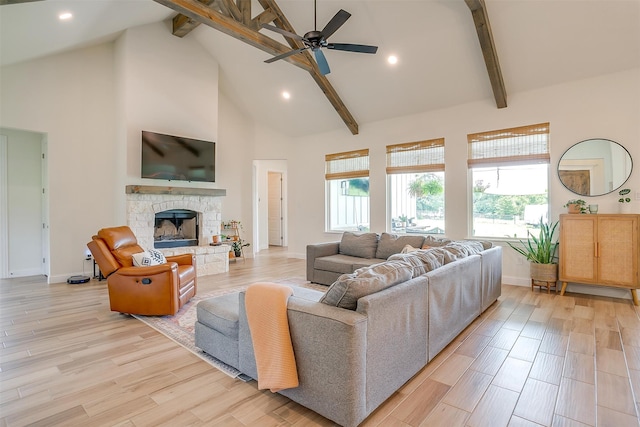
<point x="183" y="25"/>
<point x="230" y="9"/>
<point x="483" y="28"/>
<point x="198" y="12"/>
<point x="264" y="17"/>
<point x="195" y="10"/>
<point x="245" y="11"/>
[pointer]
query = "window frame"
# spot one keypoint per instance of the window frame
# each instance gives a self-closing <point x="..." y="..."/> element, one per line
<point x="344" y="165"/>
<point x="517" y="155"/>
<point x="412" y="157"/>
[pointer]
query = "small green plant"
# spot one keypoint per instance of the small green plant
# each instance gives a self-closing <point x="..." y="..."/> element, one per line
<point x="541" y="249"/>
<point x="237" y="245"/>
<point x="581" y="205"/>
<point x="623" y="193"/>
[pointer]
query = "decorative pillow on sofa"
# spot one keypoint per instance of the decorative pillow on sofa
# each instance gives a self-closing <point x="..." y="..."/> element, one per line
<point x="434" y="242"/>
<point x="362" y="245"/>
<point x="147" y="258"/>
<point x="346" y="291"/>
<point x="390" y="244"/>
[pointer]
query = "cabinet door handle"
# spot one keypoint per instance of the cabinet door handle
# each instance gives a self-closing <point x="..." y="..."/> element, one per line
<point x="596" y="249"/>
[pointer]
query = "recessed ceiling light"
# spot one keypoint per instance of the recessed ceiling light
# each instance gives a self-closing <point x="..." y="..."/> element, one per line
<point x="65" y="16"/>
<point x="392" y="59"/>
<point x="286" y="95"/>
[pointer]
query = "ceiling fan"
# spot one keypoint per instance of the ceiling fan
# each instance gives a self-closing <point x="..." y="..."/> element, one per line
<point x="316" y="40"/>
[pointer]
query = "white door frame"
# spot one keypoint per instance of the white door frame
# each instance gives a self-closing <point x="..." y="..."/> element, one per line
<point x="4" y="225"/>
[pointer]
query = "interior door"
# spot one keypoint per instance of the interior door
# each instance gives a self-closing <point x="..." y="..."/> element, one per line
<point x="275" y="209"/>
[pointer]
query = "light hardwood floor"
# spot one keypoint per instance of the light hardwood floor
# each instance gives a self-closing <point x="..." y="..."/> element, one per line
<point x="531" y="359"/>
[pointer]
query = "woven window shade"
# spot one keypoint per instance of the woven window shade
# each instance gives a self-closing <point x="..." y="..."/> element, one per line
<point x="350" y="164"/>
<point x="521" y="145"/>
<point x="421" y="156"/>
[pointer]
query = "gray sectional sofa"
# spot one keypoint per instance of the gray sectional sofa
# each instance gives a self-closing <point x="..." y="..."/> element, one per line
<point x="327" y="261"/>
<point x="373" y="329"/>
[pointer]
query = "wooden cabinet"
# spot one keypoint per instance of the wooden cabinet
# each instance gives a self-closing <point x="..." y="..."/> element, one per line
<point x="600" y="250"/>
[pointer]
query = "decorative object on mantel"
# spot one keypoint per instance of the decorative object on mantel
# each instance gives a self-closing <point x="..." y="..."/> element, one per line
<point x="541" y="253"/>
<point x="576" y="206"/>
<point x="593" y="209"/>
<point x="624" y="200"/>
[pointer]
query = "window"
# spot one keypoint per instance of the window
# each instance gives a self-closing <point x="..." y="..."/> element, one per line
<point x="415" y="174"/>
<point x="347" y="180"/>
<point x="509" y="171"/>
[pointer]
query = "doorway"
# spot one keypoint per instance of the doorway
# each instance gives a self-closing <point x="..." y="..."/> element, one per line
<point x="23" y="200"/>
<point x="275" y="209"/>
<point x="270" y="204"/>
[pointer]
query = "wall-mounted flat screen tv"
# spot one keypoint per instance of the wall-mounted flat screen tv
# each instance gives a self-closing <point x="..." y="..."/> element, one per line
<point x="177" y="158"/>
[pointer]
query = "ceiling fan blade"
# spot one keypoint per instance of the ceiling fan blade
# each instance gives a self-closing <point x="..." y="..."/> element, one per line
<point x="284" y="55"/>
<point x="322" y="62"/>
<point x="283" y="32"/>
<point x="361" y="48"/>
<point x="335" y="23"/>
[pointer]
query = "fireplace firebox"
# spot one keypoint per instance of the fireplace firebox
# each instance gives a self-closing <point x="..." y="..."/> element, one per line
<point x="175" y="228"/>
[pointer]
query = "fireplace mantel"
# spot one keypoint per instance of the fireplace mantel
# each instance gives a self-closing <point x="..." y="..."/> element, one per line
<point x="175" y="191"/>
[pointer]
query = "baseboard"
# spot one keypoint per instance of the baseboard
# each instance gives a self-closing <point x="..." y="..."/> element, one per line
<point x="603" y="291"/>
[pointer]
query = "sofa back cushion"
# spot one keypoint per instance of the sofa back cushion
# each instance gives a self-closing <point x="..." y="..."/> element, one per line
<point x="434" y="242"/>
<point x="346" y="291"/>
<point x="362" y="245"/>
<point x="391" y="244"/>
<point x="422" y="260"/>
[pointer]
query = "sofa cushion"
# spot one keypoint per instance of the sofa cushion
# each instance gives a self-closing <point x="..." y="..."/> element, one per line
<point x="362" y="245"/>
<point x="346" y="291"/>
<point x="337" y="263"/>
<point x="364" y="262"/>
<point x="390" y="244"/>
<point x="221" y="314"/>
<point x="434" y="242"/>
<point x="422" y="260"/>
<point x="410" y="258"/>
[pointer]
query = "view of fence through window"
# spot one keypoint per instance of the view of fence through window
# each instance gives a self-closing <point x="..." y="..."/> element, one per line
<point x="417" y="202"/>
<point x="508" y="201"/>
<point x="349" y="204"/>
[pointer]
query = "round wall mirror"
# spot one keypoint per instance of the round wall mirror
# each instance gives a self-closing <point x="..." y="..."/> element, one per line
<point x="595" y="167"/>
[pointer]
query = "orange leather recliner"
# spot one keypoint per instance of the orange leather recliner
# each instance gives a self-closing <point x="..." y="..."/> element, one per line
<point x="151" y="290"/>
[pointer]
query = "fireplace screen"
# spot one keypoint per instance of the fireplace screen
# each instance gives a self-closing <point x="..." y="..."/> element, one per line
<point x="175" y="228"/>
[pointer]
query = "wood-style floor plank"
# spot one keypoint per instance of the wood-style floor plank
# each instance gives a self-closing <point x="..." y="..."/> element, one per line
<point x="531" y="359"/>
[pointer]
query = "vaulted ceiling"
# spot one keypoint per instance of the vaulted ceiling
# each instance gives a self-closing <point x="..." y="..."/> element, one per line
<point x="539" y="44"/>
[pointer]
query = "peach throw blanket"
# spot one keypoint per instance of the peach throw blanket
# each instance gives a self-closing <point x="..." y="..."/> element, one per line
<point x="266" y="305"/>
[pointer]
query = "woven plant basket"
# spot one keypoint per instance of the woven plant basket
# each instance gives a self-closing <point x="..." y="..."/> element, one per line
<point x="543" y="272"/>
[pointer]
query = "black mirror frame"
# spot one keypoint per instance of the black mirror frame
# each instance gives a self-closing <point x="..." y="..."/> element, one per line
<point x="602" y="194"/>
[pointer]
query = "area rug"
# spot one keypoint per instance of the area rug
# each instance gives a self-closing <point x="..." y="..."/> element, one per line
<point x="180" y="327"/>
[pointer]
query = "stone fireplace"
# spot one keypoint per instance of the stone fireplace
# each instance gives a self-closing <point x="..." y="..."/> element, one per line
<point x="194" y="211"/>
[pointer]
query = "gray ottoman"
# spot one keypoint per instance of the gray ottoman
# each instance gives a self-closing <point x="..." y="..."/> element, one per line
<point x="216" y="330"/>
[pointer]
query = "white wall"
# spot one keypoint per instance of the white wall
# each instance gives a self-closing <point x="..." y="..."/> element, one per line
<point x="92" y="103"/>
<point x="69" y="97"/>
<point x="605" y="107"/>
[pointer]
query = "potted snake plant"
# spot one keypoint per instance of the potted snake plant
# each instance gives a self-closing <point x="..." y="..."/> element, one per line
<point x="541" y="252"/>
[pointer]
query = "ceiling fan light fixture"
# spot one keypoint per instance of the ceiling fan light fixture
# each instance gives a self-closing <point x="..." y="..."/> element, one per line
<point x="65" y="16"/>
